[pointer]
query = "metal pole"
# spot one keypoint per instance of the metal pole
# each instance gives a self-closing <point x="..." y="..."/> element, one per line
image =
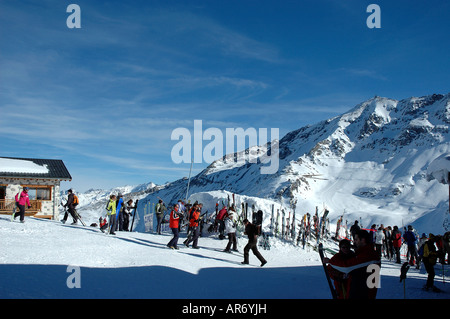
<point x="189" y="182"/>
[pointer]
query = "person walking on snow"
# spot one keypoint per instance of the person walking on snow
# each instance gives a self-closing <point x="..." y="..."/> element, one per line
<point x="174" y="223"/>
<point x="71" y="205"/>
<point x="252" y="232"/>
<point x="21" y="199"/>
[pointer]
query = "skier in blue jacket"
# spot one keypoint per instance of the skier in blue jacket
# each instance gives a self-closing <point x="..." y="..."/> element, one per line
<point x="119" y="219"/>
<point x="410" y="238"/>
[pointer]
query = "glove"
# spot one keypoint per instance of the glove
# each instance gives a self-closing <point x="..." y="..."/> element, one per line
<point x="29" y="207"/>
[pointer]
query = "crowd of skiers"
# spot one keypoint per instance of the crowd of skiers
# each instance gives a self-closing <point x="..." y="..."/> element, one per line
<point x="119" y="213"/>
<point x="348" y="268"/>
<point x="225" y="222"/>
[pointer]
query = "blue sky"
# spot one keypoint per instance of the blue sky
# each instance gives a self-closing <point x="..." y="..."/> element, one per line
<point x="105" y="98"/>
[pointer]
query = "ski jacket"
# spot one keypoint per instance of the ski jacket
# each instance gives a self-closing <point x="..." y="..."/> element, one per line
<point x="379" y="237"/>
<point x="174" y="220"/>
<point x="193" y="222"/>
<point x="222" y="214"/>
<point x="111" y="208"/>
<point x="160" y="208"/>
<point x="429" y="252"/>
<point x="70" y="201"/>
<point x="396" y="238"/>
<point x="410" y="238"/>
<point x="230" y="226"/>
<point x="341" y="280"/>
<point x="357" y="268"/>
<point x="252" y="232"/>
<point x="119" y="205"/>
<point x="23" y="198"/>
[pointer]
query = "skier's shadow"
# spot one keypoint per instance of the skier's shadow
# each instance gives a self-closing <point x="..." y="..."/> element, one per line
<point x="143" y="242"/>
<point x="209" y="258"/>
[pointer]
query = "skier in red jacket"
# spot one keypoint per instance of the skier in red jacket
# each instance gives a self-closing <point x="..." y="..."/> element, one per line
<point x="342" y="280"/>
<point x="194" y="228"/>
<point x="357" y="267"/>
<point x="397" y="243"/>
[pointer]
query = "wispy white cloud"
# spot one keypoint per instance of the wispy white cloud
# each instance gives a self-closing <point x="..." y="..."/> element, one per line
<point x="363" y="73"/>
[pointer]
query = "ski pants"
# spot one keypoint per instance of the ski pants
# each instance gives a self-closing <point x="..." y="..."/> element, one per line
<point x="195" y="236"/>
<point x="174" y="241"/>
<point x="71" y="210"/>
<point x="412" y="254"/>
<point x="21" y="212"/>
<point x="431" y="273"/>
<point x="252" y="245"/>
<point x="112" y="223"/>
<point x="159" y="218"/>
<point x="397" y="254"/>
<point x="231" y="241"/>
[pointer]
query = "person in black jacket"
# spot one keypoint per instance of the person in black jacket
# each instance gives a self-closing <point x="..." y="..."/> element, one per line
<point x="71" y="205"/>
<point x="252" y="232"/>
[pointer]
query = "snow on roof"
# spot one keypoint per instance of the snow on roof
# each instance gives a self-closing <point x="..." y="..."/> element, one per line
<point x="21" y="166"/>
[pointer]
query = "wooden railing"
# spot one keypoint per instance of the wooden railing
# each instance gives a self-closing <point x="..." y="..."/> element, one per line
<point x="7" y="205"/>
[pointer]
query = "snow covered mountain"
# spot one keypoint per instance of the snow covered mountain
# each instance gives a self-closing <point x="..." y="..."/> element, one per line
<point x="369" y="162"/>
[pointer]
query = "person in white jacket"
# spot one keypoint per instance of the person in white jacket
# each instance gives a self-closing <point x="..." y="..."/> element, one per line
<point x="230" y="229"/>
<point x="379" y="239"/>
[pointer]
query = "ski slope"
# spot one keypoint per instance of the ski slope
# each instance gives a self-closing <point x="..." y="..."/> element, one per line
<point x="36" y="259"/>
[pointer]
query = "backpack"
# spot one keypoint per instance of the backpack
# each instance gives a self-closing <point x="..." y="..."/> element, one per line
<point x="75" y="200"/>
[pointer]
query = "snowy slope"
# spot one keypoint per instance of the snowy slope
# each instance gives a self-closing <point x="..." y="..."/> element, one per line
<point x="35" y="256"/>
<point x="370" y="162"/>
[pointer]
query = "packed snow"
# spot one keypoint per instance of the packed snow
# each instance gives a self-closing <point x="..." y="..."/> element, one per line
<point x="40" y="258"/>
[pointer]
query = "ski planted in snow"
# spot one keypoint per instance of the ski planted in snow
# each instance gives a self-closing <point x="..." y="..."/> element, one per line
<point x="321" y="232"/>
<point x="134" y="214"/>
